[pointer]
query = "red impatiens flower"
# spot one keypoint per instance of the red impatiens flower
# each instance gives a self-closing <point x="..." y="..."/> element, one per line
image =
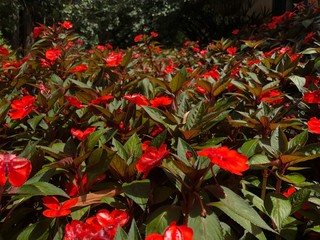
<point x="37" y="31"/>
<point x="235" y="31"/>
<point x="79" y="68"/>
<point x="102" y="99"/>
<point x="114" y="59"/>
<point x="21" y="108"/>
<point x="173" y="232"/>
<point x="154" y="34"/>
<point x="138" y="38"/>
<point x="18" y="169"/>
<point x="160" y="101"/>
<point x="314" y="125"/>
<point x="308" y="37"/>
<point x="271" y="96"/>
<point x="66" y="24"/>
<point x="212" y="73"/>
<point x="138" y="99"/>
<point x="108" y="221"/>
<point x="73" y="188"/>
<point x="312" y="97"/>
<point x="53" y="54"/>
<point x="3" y="50"/>
<point x="56" y="209"/>
<point x="232" y="50"/>
<point x="227" y="159"/>
<point x="152" y="157"/>
<point x="289" y="191"/>
<point x="74" y="101"/>
<point x="82" y="135"/>
<point x="102" y="226"/>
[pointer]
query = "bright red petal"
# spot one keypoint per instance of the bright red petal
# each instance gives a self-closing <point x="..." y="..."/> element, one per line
<point x="154" y="236"/>
<point x="69" y="203"/>
<point x="18" y="174"/>
<point x="51" y="202"/>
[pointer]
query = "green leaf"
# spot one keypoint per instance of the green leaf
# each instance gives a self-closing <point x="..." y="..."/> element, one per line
<point x="134" y="147"/>
<point x="205" y="228"/>
<point x="138" y="191"/>
<point x="250" y="147"/>
<point x="259" y="161"/>
<point x="195" y="116"/>
<point x="178" y="80"/>
<point x="120" y="149"/>
<point x="160" y="219"/>
<point x="94" y="137"/>
<point x="278" y="208"/>
<point x="299" y="140"/>
<point x="279" y="142"/>
<point x="33" y="122"/>
<point x="182" y="149"/>
<point x="119" y="165"/>
<point x="41" y="189"/>
<point x="239" y="206"/>
<point x="294" y="178"/>
<point x="120" y="234"/>
<point x="38" y="230"/>
<point x="254" y="199"/>
<point x="134" y="233"/>
<point x="298" y="198"/>
<point x="159" y="139"/>
<point x="98" y="162"/>
<point x="243" y="222"/>
<point x="308" y="152"/>
<point x="158" y="116"/>
<point x="54" y="97"/>
<point x="299" y="82"/>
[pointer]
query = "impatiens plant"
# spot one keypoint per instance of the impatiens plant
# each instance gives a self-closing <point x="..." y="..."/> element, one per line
<point x="200" y="142"/>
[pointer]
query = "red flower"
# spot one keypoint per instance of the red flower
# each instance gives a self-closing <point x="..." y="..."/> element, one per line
<point x="21" y="108"/>
<point x="154" y="34"/>
<point x="232" y="50"/>
<point x="80" y="230"/>
<point x="102" y="226"/>
<point x="37" y="31"/>
<point x="138" y="99"/>
<point x="56" y="209"/>
<point x="212" y="73"/>
<point x="74" y="101"/>
<point x="3" y="50"/>
<point x="114" y="59"/>
<point x="73" y="188"/>
<point x="227" y="159"/>
<point x="79" y="68"/>
<point x="138" y="38"/>
<point x="308" y="37"/>
<point x="173" y="232"/>
<point x="66" y="24"/>
<point x="82" y="135"/>
<point x="312" y="97"/>
<point x="235" y="31"/>
<point x="314" y="125"/>
<point x="271" y="96"/>
<point x="102" y="99"/>
<point x="53" y="54"/>
<point x="289" y="191"/>
<point x="200" y="89"/>
<point x="152" y="157"/>
<point x="160" y="101"/>
<point x="156" y="130"/>
<point x="18" y="169"/>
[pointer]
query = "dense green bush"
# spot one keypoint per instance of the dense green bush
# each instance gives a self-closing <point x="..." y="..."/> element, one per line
<point x="217" y="141"/>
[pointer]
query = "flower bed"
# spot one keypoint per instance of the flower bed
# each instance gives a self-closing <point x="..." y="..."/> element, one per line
<point x="154" y="143"/>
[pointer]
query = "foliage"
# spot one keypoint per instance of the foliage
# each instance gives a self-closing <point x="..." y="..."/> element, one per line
<point x="142" y="142"/>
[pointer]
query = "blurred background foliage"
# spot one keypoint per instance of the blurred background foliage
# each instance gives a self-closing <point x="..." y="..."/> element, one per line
<point x="118" y="21"/>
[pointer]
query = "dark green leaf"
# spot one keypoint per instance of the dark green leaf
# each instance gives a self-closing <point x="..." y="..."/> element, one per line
<point x="138" y="191"/>
<point x="41" y="189"/>
<point x="160" y="219"/>
<point x="250" y="147"/>
<point x="133" y="233"/>
<point x="178" y="80"/>
<point x="278" y="208"/>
